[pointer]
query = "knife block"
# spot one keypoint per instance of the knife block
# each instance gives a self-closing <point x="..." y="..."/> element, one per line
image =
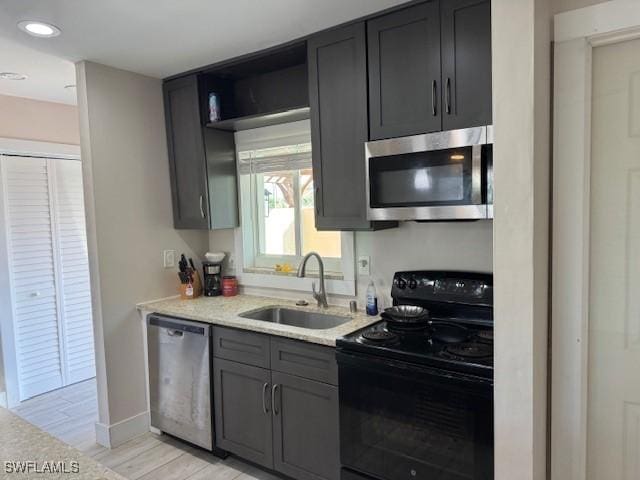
<point x="197" y="288"/>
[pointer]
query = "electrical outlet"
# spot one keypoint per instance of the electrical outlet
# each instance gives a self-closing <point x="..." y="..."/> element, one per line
<point x="169" y="258"/>
<point x="231" y="262"/>
<point x="364" y="265"/>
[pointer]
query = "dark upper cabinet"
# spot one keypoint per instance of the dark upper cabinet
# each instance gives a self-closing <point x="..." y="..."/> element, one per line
<point x="338" y="99"/>
<point x="306" y="428"/>
<point x="186" y="154"/>
<point x="404" y="72"/>
<point x="201" y="161"/>
<point x="466" y="63"/>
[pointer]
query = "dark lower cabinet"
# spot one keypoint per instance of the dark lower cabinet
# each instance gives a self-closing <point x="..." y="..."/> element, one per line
<point x="466" y="63"/>
<point x="306" y="428"/>
<point x="404" y="72"/>
<point x="337" y="61"/>
<point x="242" y="411"/>
<point x="274" y="418"/>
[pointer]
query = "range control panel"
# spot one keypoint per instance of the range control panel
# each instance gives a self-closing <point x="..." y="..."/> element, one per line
<point x="465" y="287"/>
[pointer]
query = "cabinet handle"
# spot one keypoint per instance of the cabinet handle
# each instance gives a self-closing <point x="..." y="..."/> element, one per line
<point x="434" y="88"/>
<point x="201" y="206"/>
<point x="316" y="200"/>
<point x="448" y="97"/>
<point x="274" y="392"/>
<point x="265" y="409"/>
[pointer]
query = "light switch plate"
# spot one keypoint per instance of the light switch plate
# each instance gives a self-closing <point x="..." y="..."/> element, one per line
<point x="169" y="258"/>
<point x="364" y="265"/>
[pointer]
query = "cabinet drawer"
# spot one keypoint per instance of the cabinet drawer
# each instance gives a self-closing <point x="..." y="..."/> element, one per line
<point x="240" y="346"/>
<point x="305" y="360"/>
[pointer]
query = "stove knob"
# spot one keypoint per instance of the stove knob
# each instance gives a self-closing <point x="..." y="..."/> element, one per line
<point x="401" y="283"/>
<point x="413" y="284"/>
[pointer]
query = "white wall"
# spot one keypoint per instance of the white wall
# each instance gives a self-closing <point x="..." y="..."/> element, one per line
<point x="521" y="98"/>
<point x="29" y="119"/>
<point x="559" y="6"/>
<point x="412" y="246"/>
<point x="129" y="222"/>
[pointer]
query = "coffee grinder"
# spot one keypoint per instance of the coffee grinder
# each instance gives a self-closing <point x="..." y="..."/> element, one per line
<point x="212" y="278"/>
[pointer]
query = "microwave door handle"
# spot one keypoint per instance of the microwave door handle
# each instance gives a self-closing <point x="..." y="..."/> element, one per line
<point x="476" y="174"/>
<point x="434" y="92"/>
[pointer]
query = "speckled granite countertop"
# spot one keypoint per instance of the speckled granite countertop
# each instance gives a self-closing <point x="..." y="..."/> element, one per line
<point x="224" y="311"/>
<point x="22" y="442"/>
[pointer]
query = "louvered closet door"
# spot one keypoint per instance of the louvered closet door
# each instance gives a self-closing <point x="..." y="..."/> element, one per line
<point x="73" y="262"/>
<point x="33" y="275"/>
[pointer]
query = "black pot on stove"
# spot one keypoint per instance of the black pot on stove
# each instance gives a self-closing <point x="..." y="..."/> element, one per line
<point x="406" y="317"/>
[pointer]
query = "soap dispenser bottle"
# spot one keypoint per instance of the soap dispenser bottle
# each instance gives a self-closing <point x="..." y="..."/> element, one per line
<point x="372" y="299"/>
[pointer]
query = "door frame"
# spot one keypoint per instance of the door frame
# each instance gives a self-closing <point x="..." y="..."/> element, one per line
<point x="576" y="34"/>
<point x="25" y="148"/>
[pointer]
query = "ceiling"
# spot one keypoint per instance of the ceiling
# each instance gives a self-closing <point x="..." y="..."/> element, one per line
<point x="158" y="38"/>
<point x="47" y="74"/>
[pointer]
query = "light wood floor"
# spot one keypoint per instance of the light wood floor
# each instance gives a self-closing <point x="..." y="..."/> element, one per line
<point x="71" y="412"/>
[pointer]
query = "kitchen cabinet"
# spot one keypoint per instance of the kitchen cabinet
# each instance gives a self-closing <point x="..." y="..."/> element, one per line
<point x="466" y="63"/>
<point x="283" y="416"/>
<point x="404" y="72"/>
<point x="201" y="162"/>
<point x="306" y="445"/>
<point x="430" y="68"/>
<point x="338" y="99"/>
<point x="242" y="410"/>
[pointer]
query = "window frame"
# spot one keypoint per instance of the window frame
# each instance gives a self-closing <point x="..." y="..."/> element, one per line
<point x="249" y="262"/>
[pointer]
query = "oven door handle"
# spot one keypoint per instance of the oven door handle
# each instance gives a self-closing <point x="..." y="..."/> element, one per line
<point x="406" y="370"/>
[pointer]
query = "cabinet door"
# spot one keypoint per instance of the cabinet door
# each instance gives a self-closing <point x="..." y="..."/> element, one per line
<point x="187" y="160"/>
<point x="338" y="99"/>
<point x="466" y="63"/>
<point x="243" y="411"/>
<point x="404" y="72"/>
<point x="305" y="428"/>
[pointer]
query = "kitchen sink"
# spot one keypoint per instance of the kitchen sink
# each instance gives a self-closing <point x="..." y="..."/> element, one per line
<point x="296" y="318"/>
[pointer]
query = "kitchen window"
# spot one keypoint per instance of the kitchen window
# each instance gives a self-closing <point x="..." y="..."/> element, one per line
<point x="277" y="204"/>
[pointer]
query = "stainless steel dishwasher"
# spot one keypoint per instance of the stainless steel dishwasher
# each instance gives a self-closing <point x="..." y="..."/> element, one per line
<point x="180" y="378"/>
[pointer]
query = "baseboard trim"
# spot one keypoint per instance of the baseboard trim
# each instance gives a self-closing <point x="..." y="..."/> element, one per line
<point x="112" y="436"/>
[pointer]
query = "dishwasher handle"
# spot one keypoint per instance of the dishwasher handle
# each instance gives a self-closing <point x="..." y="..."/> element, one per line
<point x="178" y="327"/>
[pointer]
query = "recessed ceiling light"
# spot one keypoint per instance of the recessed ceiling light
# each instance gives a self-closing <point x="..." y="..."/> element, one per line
<point x="12" y="76"/>
<point x="39" y="29"/>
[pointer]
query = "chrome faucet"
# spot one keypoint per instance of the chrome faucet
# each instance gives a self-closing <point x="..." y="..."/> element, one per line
<point x="320" y="296"/>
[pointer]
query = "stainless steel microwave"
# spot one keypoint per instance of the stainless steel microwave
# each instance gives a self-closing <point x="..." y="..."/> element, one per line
<point x="435" y="176"/>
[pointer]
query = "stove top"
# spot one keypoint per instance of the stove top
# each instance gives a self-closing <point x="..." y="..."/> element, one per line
<point x="459" y="334"/>
<point x="461" y="349"/>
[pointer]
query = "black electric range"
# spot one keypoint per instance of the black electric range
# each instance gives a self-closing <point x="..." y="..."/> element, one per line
<point x="416" y="401"/>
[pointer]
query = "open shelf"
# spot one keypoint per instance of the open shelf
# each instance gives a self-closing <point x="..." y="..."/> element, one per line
<point x="261" y="120"/>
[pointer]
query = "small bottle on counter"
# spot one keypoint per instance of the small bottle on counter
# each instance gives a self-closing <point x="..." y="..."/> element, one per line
<point x="372" y="299"/>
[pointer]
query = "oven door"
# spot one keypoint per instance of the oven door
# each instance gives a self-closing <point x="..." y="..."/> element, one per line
<point x="437" y="176"/>
<point x="401" y="422"/>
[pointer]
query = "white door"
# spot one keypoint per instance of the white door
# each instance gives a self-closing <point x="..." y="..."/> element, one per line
<point x="49" y="273"/>
<point x="613" y="416"/>
<point x="32" y="275"/>
<point x="73" y="265"/>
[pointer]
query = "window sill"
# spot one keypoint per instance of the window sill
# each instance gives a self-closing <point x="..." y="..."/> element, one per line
<point x="267" y="278"/>
<point x="271" y="271"/>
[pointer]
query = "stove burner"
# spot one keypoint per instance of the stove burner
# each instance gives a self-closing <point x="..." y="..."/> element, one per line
<point x="477" y="351"/>
<point x="448" y="333"/>
<point x="485" y="336"/>
<point x="379" y="336"/>
<point x="406" y="327"/>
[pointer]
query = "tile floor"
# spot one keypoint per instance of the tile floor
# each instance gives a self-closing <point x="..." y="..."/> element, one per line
<point x="70" y="414"/>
